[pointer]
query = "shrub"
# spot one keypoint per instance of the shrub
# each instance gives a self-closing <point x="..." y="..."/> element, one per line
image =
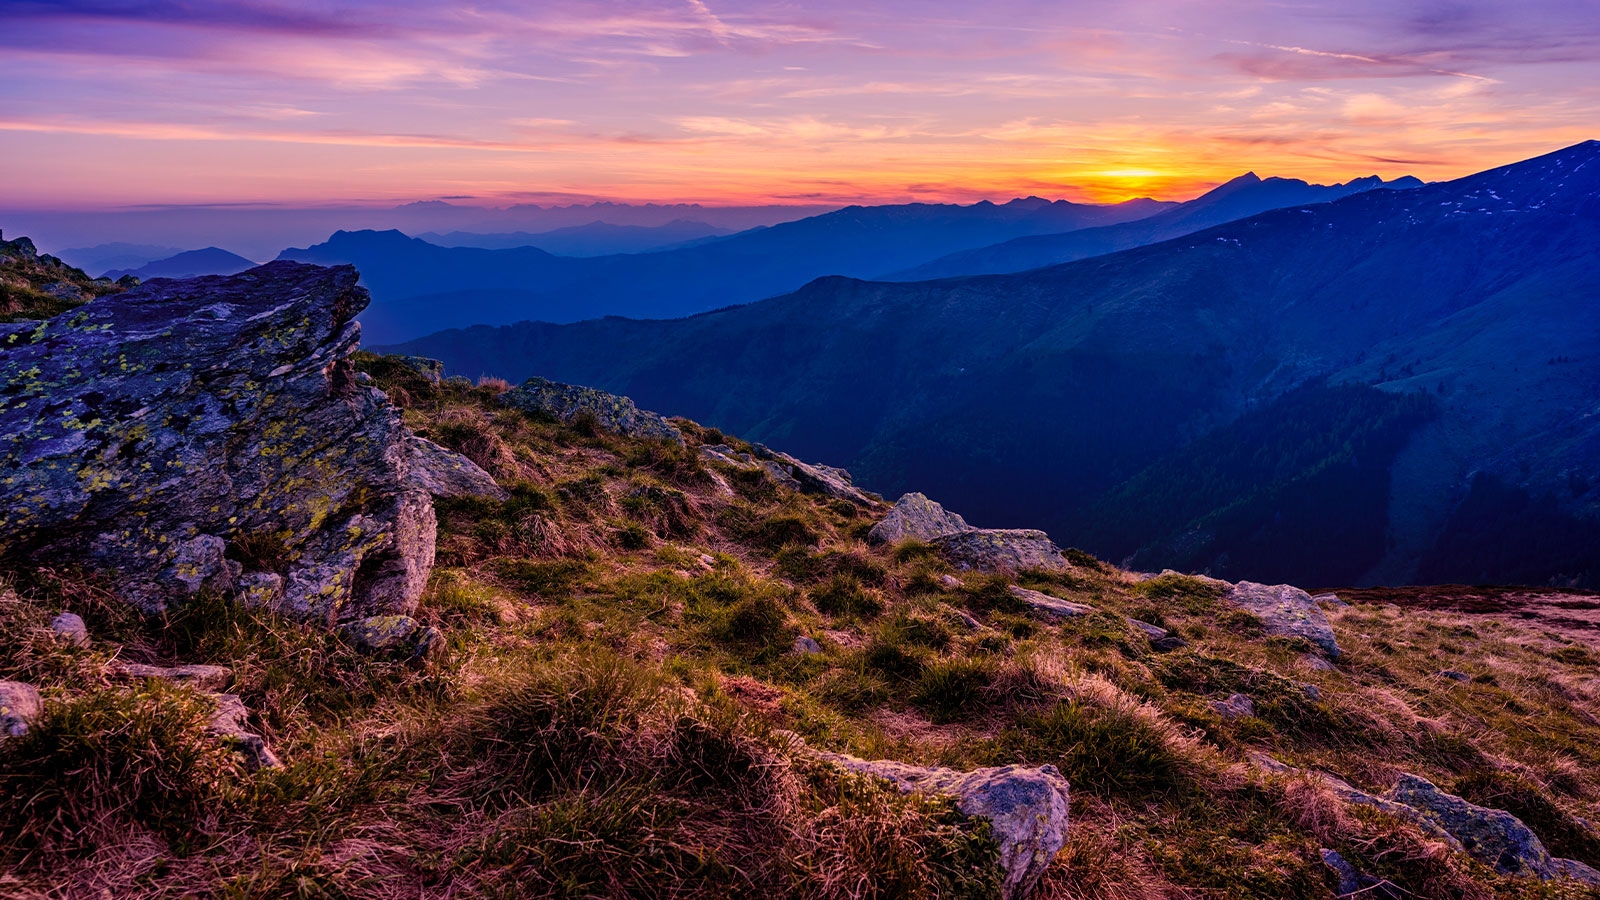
<point x="1190" y="594"/>
<point x="843" y="595"/>
<point x="891" y="656"/>
<point x="94" y="764"/>
<point x="559" y="721"/>
<point x="758" y="622"/>
<point x="1108" y="744"/>
<point x="952" y="689"/>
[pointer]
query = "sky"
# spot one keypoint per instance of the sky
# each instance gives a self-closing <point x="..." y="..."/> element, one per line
<point x="119" y="103"/>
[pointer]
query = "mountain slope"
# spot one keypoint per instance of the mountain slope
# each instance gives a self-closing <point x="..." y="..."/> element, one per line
<point x="1240" y="198"/>
<point x="189" y="264"/>
<point x="418" y="287"/>
<point x="1025" y="398"/>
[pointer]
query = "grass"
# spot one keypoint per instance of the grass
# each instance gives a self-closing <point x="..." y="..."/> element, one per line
<point x="612" y="716"/>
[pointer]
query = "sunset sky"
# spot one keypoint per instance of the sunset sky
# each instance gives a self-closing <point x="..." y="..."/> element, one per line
<point x="115" y="102"/>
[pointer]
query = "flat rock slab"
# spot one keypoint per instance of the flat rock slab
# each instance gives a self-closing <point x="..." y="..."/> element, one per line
<point x="147" y="432"/>
<point x="1046" y="605"/>
<point x="568" y="402"/>
<point x="807" y="478"/>
<point x="200" y="677"/>
<point x="1285" y="611"/>
<point x="1026" y="808"/>
<point x="445" y="473"/>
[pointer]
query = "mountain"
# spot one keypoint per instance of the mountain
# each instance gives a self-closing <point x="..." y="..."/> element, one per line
<point x="120" y="255"/>
<point x="594" y="239"/>
<point x="189" y="264"/>
<point x="418" y="287"/>
<point x="1240" y="198"/>
<point x="1459" y="316"/>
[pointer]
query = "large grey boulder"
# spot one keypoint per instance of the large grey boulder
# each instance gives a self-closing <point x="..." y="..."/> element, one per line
<point x="446" y="473"/>
<point x="151" y="433"/>
<point x="567" y="402"/>
<point x="915" y="517"/>
<point x="19" y="706"/>
<point x="1001" y="550"/>
<point x="1493" y="836"/>
<point x="1285" y="611"/>
<point x="1026" y="808"/>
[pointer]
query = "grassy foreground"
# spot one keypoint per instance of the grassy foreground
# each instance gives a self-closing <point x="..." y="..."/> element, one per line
<point x="614" y="714"/>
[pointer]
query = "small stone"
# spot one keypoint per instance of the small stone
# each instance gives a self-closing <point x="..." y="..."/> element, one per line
<point x="1312" y="692"/>
<point x="1317" y="663"/>
<point x="708" y="561"/>
<point x="19" y="706"/>
<point x="1330" y="600"/>
<point x="1161" y="640"/>
<point x="69" y="628"/>
<point x="1453" y="675"/>
<point x="806" y="645"/>
<point x="1349" y="879"/>
<point x="1026" y="808"/>
<point x="227" y="723"/>
<point x="1237" y="706"/>
<point x="392" y="635"/>
<point x="949" y="582"/>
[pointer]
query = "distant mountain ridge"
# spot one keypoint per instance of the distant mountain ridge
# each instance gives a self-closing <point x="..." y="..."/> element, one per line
<point x="418" y="287"/>
<point x="596" y="238"/>
<point x="1460" y="315"/>
<point x="1240" y="198"/>
<point x="189" y="264"/>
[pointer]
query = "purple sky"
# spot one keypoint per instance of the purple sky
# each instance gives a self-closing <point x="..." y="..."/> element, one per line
<point x="118" y="102"/>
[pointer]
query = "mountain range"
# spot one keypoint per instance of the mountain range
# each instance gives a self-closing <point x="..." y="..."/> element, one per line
<point x="189" y="264"/>
<point x="419" y="287"/>
<point x="1239" y="198"/>
<point x="1396" y="385"/>
<point x="592" y="239"/>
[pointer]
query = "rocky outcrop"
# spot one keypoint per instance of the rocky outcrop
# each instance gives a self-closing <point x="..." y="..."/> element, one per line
<point x="915" y="517"/>
<point x="1285" y="611"/>
<point x="446" y="473"/>
<point x="1493" y="836"/>
<point x="783" y="469"/>
<point x="567" y="403"/>
<point x="19" y="706"/>
<point x="1026" y="808"/>
<point x="173" y="433"/>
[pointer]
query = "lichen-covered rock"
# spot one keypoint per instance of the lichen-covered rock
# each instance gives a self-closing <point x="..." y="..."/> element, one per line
<point x="228" y="724"/>
<point x="1046" y="605"/>
<point x="146" y="433"/>
<point x="1492" y="836"/>
<point x="19" y="706"/>
<point x="1026" y="808"/>
<point x="1285" y="611"/>
<point x="392" y="636"/>
<point x="806" y="645"/>
<point x="69" y="628"/>
<point x="446" y="473"/>
<point x="567" y="402"/>
<point x="915" y="517"/>
<point x="1001" y="549"/>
